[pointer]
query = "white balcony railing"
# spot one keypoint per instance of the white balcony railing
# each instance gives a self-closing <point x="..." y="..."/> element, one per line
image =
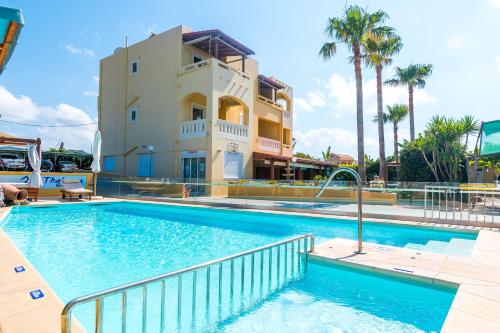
<point x="268" y="145"/>
<point x="207" y="62"/>
<point x="193" y="129"/>
<point x="232" y="131"/>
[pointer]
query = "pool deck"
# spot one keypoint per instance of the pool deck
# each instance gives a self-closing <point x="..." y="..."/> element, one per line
<point x="476" y="307"/>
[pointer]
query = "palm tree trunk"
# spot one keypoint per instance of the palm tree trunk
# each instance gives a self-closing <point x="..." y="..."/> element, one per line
<point x="396" y="153"/>
<point x="359" y="112"/>
<point x="412" y="118"/>
<point x="380" y="123"/>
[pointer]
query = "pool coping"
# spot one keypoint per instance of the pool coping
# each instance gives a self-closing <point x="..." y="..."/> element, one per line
<point x="472" y="290"/>
<point x="476" y="306"/>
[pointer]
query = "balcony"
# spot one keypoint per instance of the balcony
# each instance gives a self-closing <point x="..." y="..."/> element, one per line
<point x="268" y="145"/>
<point x="217" y="66"/>
<point x="232" y="131"/>
<point x="193" y="129"/>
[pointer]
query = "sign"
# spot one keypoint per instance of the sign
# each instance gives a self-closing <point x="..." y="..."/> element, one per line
<point x="48" y="181"/>
<point x="36" y="294"/>
<point x="233" y="146"/>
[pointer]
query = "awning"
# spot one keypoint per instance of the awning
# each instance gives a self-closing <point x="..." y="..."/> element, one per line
<point x="216" y="43"/>
<point x="11" y="22"/>
<point x="490" y="138"/>
<point x="302" y="161"/>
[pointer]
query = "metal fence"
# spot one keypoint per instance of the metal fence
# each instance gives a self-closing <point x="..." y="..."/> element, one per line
<point x="201" y="296"/>
<point x="463" y="204"/>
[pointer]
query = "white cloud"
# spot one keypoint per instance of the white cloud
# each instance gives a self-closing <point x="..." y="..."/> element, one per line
<point x="341" y="92"/>
<point x="494" y="4"/>
<point x="90" y="93"/>
<point x="78" y="51"/>
<point x="497" y="63"/>
<point x="23" y="109"/>
<point x="95" y="78"/>
<point x="340" y="139"/>
<point x="456" y="41"/>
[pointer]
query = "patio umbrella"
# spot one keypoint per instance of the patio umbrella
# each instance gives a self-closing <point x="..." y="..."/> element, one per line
<point x="35" y="163"/>
<point x="96" y="154"/>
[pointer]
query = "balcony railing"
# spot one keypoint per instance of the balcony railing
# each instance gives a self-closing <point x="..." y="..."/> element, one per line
<point x="194" y="66"/>
<point x="232" y="130"/>
<point x="205" y="63"/>
<point x="268" y="145"/>
<point x="193" y="129"/>
<point x="269" y="102"/>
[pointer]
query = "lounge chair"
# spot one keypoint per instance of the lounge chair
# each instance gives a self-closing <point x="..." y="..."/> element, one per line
<point x="73" y="187"/>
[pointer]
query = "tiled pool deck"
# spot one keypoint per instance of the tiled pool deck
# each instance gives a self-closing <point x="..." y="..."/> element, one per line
<point x="476" y="307"/>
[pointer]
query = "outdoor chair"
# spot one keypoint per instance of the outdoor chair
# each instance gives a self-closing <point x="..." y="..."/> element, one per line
<point x="73" y="187"/>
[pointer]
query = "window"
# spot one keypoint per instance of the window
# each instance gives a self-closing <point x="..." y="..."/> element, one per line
<point x="133" y="115"/>
<point x="134" y="67"/>
<point x="109" y="163"/>
<point x="196" y="59"/>
<point x="198" y="112"/>
<point x="233" y="165"/>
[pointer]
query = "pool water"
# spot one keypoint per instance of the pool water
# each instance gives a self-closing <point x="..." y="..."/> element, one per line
<point x="333" y="298"/>
<point x="80" y="249"/>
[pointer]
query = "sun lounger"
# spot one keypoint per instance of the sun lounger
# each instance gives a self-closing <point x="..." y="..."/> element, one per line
<point x="73" y="187"/>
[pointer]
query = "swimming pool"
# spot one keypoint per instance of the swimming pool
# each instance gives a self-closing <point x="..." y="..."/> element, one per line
<point x="82" y="248"/>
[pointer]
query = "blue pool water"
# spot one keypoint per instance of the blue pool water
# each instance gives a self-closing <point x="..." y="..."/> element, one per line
<point x="340" y="299"/>
<point x="80" y="249"/>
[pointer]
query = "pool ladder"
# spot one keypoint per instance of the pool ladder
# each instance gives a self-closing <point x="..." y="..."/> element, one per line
<point x="286" y="260"/>
<point x="360" y="201"/>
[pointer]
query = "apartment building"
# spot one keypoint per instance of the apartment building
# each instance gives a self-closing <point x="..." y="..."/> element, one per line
<point x="192" y="105"/>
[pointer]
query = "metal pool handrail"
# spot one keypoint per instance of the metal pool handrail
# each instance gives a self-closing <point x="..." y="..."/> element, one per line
<point x="98" y="296"/>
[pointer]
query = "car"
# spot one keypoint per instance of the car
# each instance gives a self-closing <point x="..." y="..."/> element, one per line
<point x="47" y="165"/>
<point x="65" y="166"/>
<point x="12" y="162"/>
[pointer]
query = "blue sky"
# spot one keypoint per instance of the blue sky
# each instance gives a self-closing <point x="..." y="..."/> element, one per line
<point x="52" y="76"/>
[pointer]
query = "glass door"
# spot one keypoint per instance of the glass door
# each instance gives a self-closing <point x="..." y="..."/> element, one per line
<point x="193" y="169"/>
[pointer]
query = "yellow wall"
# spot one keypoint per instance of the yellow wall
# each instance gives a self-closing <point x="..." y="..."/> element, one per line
<point x="50" y="192"/>
<point x="297" y="192"/>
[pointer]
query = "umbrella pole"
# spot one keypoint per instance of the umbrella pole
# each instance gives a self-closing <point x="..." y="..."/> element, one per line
<point x="95" y="182"/>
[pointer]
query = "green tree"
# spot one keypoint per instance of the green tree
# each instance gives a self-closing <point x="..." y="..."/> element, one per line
<point x="411" y="77"/>
<point x="379" y="53"/>
<point x="326" y="154"/>
<point x="352" y="29"/>
<point x="442" y="148"/>
<point x="304" y="155"/>
<point x="394" y="115"/>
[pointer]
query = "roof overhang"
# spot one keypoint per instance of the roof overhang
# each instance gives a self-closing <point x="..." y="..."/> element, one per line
<point x="264" y="156"/>
<point x="217" y="43"/>
<point x="11" y="22"/>
<point x="270" y="82"/>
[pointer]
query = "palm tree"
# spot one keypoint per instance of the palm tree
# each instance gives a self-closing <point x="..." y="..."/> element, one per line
<point x="412" y="77"/>
<point x="379" y="52"/>
<point x="352" y="29"/>
<point x="326" y="154"/>
<point x="395" y="114"/>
